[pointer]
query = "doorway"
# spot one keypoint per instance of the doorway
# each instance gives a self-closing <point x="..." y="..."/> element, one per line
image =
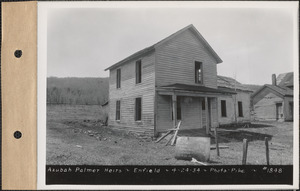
<point x="279" y="111"/>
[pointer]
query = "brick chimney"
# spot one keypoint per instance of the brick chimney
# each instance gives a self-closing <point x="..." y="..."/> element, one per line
<point x="274" y="79"/>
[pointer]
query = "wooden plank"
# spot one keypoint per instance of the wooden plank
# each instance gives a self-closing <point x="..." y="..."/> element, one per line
<point x="267" y="150"/>
<point x="170" y="139"/>
<point x="19" y="95"/>
<point x="163" y="136"/>
<point x="245" y="150"/>
<point x="175" y="134"/>
<point x="220" y="147"/>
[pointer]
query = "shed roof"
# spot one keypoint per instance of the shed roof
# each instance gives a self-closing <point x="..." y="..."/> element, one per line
<point x="204" y="89"/>
<point x="231" y="83"/>
<point x="284" y="91"/>
<point x="150" y="48"/>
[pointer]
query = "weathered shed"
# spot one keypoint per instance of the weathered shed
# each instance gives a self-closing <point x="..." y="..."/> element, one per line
<point x="275" y="102"/>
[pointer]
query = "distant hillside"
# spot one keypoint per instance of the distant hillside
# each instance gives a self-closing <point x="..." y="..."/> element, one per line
<point x="252" y="87"/>
<point x="77" y="91"/>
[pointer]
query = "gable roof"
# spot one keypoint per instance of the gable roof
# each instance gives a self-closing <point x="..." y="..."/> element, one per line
<point x="285" y="79"/>
<point x="228" y="82"/>
<point x="150" y="48"/>
<point x="283" y="91"/>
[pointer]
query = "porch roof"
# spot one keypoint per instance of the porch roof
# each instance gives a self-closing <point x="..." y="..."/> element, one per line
<point x="195" y="88"/>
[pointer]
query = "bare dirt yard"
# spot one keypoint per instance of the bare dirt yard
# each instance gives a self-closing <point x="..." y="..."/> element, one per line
<point x="75" y="136"/>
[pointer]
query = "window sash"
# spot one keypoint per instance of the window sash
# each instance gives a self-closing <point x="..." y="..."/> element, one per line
<point x="198" y="73"/>
<point x="118" y="110"/>
<point x="223" y="108"/>
<point x="138" y="72"/>
<point x="240" y="108"/>
<point x="138" y="109"/>
<point x="118" y="78"/>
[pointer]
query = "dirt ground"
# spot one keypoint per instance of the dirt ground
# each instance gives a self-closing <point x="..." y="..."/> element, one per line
<point x="75" y="136"/>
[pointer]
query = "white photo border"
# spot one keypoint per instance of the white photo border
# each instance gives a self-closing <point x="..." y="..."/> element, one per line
<point x="44" y="7"/>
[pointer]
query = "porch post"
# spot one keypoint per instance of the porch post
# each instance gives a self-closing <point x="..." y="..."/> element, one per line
<point x="207" y="115"/>
<point x="217" y="110"/>
<point x="174" y="100"/>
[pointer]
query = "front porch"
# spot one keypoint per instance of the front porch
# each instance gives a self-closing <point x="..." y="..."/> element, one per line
<point x="195" y="106"/>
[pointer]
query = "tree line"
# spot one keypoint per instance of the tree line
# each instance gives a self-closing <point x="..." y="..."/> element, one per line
<point x="77" y="91"/>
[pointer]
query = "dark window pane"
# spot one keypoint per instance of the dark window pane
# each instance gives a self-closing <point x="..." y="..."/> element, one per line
<point x="138" y="71"/>
<point x="118" y="110"/>
<point x="118" y="78"/>
<point x="223" y="108"/>
<point x="138" y="109"/>
<point x="198" y="72"/>
<point x="240" y="107"/>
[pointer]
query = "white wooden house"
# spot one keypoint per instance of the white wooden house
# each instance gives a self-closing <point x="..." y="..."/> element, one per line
<point x="174" y="79"/>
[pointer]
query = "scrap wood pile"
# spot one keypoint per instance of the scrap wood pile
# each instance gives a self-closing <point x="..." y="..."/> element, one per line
<point x="173" y="137"/>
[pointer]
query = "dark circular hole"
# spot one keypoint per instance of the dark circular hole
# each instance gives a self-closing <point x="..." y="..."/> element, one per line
<point x="18" y="53"/>
<point x="17" y="134"/>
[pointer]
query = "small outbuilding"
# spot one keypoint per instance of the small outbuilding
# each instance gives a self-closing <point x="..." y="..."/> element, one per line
<point x="275" y="102"/>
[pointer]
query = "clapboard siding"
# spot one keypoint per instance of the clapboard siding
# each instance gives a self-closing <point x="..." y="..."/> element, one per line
<point x="265" y="109"/>
<point x="129" y="91"/>
<point x="232" y="108"/>
<point x="175" y="61"/>
<point x="191" y="113"/>
<point x="164" y="113"/>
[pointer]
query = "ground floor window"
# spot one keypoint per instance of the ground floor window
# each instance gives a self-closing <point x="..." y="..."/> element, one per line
<point x="223" y="108"/>
<point x="138" y="109"/>
<point x="118" y="110"/>
<point x="240" y="108"/>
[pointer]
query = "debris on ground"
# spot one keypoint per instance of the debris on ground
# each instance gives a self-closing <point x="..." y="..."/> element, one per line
<point x="196" y="161"/>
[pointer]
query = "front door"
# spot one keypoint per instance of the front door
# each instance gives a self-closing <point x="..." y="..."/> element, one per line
<point x="279" y="111"/>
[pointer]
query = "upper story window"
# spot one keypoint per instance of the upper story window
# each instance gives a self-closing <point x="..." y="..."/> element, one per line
<point x="119" y="78"/>
<point x="240" y="108"/>
<point x="198" y="72"/>
<point x="138" y="72"/>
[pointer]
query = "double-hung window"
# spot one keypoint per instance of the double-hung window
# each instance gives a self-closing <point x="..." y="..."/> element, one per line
<point x="198" y="72"/>
<point x="138" y="72"/>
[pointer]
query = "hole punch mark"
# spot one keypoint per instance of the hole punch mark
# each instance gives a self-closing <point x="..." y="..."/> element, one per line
<point x="17" y="134"/>
<point x="18" y="53"/>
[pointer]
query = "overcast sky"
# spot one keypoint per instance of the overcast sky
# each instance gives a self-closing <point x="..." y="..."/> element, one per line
<point x="253" y="43"/>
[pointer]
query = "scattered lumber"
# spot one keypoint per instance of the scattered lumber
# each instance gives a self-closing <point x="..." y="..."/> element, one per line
<point x="278" y="144"/>
<point x="173" y="138"/>
<point x="212" y="147"/>
<point x="195" y="161"/>
<point x="163" y="136"/>
<point x="175" y="134"/>
<point x="169" y="140"/>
